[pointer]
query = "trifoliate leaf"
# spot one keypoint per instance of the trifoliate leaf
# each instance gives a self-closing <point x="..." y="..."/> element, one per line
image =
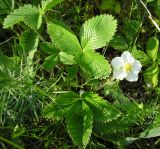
<point x="78" y="116"/>
<point x="97" y="31"/>
<point x="80" y="111"/>
<point x="28" y="14"/>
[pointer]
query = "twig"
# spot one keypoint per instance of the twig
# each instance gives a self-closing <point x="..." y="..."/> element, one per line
<point x="1" y="43"/>
<point x="150" y="16"/>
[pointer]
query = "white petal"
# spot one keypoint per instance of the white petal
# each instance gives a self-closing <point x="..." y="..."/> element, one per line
<point x="136" y="67"/>
<point x="119" y="74"/>
<point x="132" y="77"/>
<point x="127" y="57"/>
<point x="117" y="62"/>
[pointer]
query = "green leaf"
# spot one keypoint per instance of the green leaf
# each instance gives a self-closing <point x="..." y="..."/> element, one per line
<point x="151" y="75"/>
<point x="152" y="48"/>
<point x="49" y="48"/>
<point x="109" y="4"/>
<point x="97" y="31"/>
<point x="87" y="123"/>
<point x="102" y="110"/>
<point x="28" y="14"/>
<point x="117" y="7"/>
<point x="64" y="38"/>
<point x="80" y="111"/>
<point x="94" y="63"/>
<point x="119" y="43"/>
<point x="63" y="104"/>
<point x="155" y="132"/>
<point x="114" y="126"/>
<point x="6" y="6"/>
<point x="71" y="78"/>
<point x="130" y="30"/>
<point x="156" y="8"/>
<point x="80" y="126"/>
<point x="78" y="116"/>
<point x="66" y="58"/>
<point x="48" y="4"/>
<point x="29" y="43"/>
<point x="132" y="115"/>
<point x="141" y="56"/>
<point x="50" y="62"/>
<point x="113" y="89"/>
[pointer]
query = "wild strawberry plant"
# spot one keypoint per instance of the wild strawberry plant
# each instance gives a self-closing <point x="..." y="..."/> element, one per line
<point x="66" y="85"/>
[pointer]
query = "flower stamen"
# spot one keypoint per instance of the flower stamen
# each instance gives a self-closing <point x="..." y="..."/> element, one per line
<point x="127" y="67"/>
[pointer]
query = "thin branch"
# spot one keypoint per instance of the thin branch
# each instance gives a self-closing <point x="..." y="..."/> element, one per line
<point x="1" y="43"/>
<point x="150" y="16"/>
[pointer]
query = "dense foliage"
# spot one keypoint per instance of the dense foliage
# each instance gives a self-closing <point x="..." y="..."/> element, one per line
<point x="57" y="88"/>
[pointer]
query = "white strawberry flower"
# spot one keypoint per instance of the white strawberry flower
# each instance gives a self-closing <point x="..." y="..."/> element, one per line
<point x="126" y="67"/>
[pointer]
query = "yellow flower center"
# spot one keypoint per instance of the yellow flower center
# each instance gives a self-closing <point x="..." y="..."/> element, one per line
<point x="127" y="67"/>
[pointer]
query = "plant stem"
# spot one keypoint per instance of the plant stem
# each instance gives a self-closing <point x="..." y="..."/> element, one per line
<point x="150" y="16"/>
<point x="11" y="143"/>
